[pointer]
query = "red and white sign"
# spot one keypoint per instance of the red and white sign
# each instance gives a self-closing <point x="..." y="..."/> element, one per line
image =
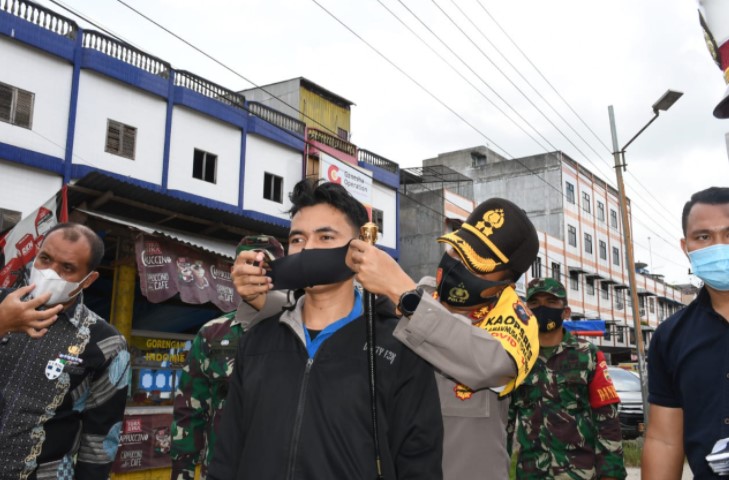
<point x="20" y="244"/>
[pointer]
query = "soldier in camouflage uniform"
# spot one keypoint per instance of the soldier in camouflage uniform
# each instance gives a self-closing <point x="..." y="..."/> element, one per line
<point x="568" y="425"/>
<point x="203" y="386"/>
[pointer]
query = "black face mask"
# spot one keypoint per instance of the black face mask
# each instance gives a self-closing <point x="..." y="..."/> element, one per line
<point x="459" y="287"/>
<point x="549" y="319"/>
<point x="318" y="266"/>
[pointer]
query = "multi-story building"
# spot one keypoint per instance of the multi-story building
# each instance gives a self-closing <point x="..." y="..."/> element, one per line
<point x="576" y="214"/>
<point x="147" y="155"/>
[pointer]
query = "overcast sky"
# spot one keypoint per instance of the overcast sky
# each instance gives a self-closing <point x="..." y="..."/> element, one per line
<point x="412" y="103"/>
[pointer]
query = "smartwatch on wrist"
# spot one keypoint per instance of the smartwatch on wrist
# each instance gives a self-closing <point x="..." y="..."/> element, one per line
<point x="409" y="301"/>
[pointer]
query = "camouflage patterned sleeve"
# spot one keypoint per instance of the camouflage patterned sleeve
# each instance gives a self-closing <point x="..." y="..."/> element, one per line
<point x="609" y="446"/>
<point x="191" y="412"/>
<point x="511" y="427"/>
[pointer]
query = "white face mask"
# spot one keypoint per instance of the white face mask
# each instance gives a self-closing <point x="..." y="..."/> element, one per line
<point x="48" y="281"/>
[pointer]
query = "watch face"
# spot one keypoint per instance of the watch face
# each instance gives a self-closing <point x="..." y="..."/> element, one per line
<point x="410" y="301"/>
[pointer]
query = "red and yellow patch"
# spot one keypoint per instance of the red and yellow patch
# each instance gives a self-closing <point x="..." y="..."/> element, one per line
<point x="463" y="392"/>
<point x="602" y="390"/>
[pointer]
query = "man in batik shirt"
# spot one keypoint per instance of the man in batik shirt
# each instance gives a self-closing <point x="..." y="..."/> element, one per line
<point x="567" y="408"/>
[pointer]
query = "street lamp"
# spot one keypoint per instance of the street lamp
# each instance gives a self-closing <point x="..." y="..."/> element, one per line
<point x="663" y="104"/>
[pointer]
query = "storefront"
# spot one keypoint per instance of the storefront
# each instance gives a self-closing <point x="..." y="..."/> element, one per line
<point x="158" y="284"/>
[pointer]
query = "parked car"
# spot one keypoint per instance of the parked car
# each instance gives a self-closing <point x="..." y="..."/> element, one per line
<point x="627" y="383"/>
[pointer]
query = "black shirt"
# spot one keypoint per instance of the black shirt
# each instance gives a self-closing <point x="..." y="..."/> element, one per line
<point x="688" y="368"/>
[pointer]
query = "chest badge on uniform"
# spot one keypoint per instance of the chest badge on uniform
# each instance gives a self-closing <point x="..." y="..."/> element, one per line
<point x="462" y="392"/>
<point x="54" y="369"/>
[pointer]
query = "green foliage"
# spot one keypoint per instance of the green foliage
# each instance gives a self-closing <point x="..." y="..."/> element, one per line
<point x="632" y="450"/>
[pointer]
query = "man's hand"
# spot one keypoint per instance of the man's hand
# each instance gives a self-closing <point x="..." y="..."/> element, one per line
<point x="249" y="277"/>
<point x="377" y="271"/>
<point x="19" y="316"/>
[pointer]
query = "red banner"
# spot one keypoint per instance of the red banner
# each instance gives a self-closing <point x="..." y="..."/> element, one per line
<point x="19" y="245"/>
<point x="144" y="443"/>
<point x="167" y="268"/>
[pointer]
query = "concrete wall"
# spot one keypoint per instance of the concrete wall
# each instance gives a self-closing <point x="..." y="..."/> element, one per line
<point x="264" y="156"/>
<point x="191" y="130"/>
<point x="385" y="199"/>
<point x="49" y="78"/>
<point x="421" y="222"/>
<point x="24" y="189"/>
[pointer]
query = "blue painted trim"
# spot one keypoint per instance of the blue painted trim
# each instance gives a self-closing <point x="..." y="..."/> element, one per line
<point x="394" y="253"/>
<point x="242" y="176"/>
<point x="80" y="171"/>
<point x="33" y="35"/>
<point x="277" y="134"/>
<point x="381" y="175"/>
<point x="29" y="158"/>
<point x="73" y="109"/>
<point x="168" y="132"/>
<point x="264" y="217"/>
<point x="110" y="66"/>
<point x="209" y="106"/>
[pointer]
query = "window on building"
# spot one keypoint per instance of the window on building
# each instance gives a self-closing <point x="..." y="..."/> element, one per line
<point x="574" y="281"/>
<point x="600" y="211"/>
<point x="621" y="334"/>
<point x="641" y="306"/>
<point x="205" y="166"/>
<point x="651" y="305"/>
<point x="572" y="235"/>
<point x="603" y="250"/>
<point x="121" y="139"/>
<point x="588" y="243"/>
<point x="590" y="286"/>
<point x="16" y="106"/>
<point x="616" y="256"/>
<point x="343" y="134"/>
<point x="537" y="268"/>
<point x="570" y="192"/>
<point x="604" y="290"/>
<point x="478" y="159"/>
<point x="618" y="297"/>
<point x="556" y="271"/>
<point x="613" y="218"/>
<point x="377" y="219"/>
<point x="273" y="187"/>
<point x="586" y="203"/>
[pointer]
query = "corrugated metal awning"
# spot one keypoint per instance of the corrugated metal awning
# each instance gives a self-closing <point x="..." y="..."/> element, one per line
<point x="209" y="245"/>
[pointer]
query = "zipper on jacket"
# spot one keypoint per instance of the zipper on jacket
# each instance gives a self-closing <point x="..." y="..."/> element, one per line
<point x="298" y="420"/>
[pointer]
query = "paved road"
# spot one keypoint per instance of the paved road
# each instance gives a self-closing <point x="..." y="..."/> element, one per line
<point x="634" y="473"/>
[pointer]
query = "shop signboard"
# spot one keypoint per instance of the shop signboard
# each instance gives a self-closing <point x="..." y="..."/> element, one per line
<point x="167" y="268"/>
<point x="144" y="443"/>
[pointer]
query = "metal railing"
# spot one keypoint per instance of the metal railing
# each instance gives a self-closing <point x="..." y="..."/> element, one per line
<point x="332" y="141"/>
<point x="212" y="90"/>
<point x="40" y="16"/>
<point x="126" y="53"/>
<point x="365" y="156"/>
<point x="277" y="118"/>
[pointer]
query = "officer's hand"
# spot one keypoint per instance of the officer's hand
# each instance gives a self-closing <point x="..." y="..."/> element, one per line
<point x="377" y="271"/>
<point x="250" y="279"/>
<point x="19" y="316"/>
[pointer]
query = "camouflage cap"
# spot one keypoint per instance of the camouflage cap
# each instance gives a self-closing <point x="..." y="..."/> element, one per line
<point x="265" y="243"/>
<point x="546" y="285"/>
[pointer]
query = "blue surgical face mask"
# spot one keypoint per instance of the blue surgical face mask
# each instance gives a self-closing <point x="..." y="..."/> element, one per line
<point x="711" y="264"/>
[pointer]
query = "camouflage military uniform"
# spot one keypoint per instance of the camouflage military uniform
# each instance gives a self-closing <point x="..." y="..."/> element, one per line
<point x="568" y="426"/>
<point x="201" y="395"/>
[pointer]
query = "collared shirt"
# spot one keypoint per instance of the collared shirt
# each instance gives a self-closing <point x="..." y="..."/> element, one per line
<point x="64" y="397"/>
<point x="688" y="368"/>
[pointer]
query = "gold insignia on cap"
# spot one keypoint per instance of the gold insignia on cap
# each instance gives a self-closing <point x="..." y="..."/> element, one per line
<point x="490" y="221"/>
<point x="74" y="350"/>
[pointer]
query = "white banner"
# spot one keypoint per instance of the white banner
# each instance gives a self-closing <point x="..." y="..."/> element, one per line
<point x="357" y="181"/>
